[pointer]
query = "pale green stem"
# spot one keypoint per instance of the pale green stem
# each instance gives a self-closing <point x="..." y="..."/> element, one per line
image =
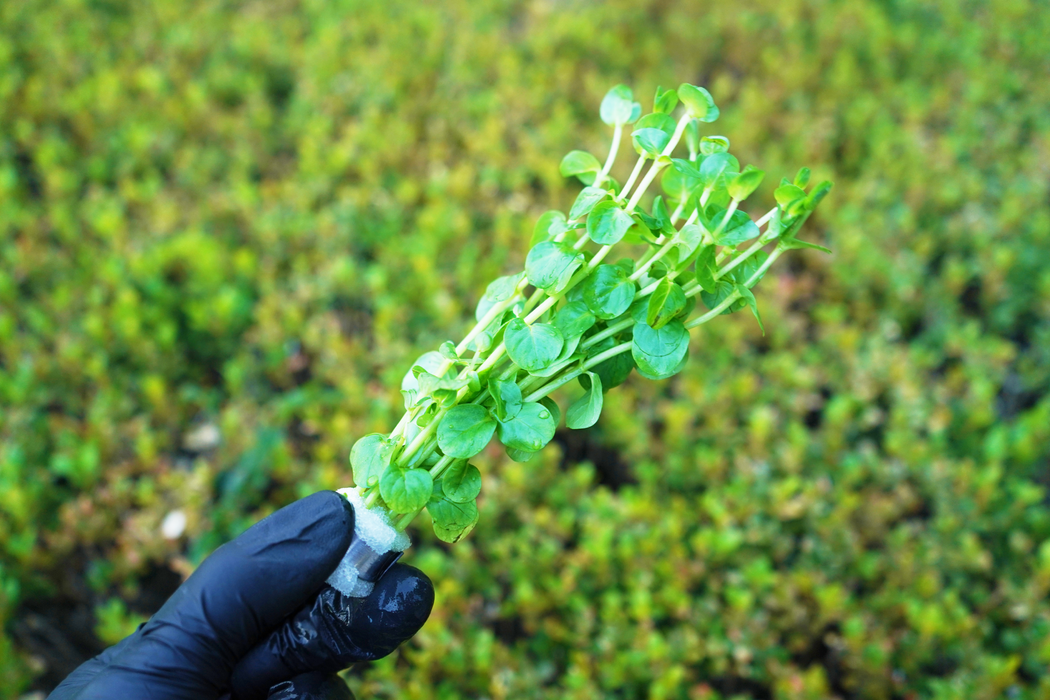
<point x="617" y="133"/>
<point x="634" y="176"/>
<point x="678" y="212"/>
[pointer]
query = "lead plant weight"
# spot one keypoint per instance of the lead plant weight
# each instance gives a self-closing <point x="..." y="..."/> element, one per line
<point x="573" y="315"/>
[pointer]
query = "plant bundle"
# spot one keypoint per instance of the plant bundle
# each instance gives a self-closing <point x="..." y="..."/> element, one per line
<point x="574" y="315"/>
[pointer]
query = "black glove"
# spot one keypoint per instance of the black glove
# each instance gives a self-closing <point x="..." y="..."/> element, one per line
<point x="257" y="620"/>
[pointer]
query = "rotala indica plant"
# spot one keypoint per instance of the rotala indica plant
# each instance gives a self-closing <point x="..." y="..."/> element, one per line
<point x="607" y="289"/>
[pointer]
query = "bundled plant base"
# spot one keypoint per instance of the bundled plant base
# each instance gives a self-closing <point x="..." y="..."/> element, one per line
<point x="573" y="316"/>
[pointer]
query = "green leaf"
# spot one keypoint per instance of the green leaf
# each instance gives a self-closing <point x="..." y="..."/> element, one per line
<point x="550" y="265"/>
<point x="659" y="352"/>
<point x="614" y="371"/>
<point x="550" y="225"/>
<point x="552" y="406"/>
<point x="465" y="430"/>
<point x="738" y="229"/>
<point x="573" y="319"/>
<point x="507" y="397"/>
<point x="585" y="201"/>
<point x="802" y="178"/>
<point x="452" y="521"/>
<point x="715" y="166"/>
<point x="706" y="267"/>
<point x="795" y="244"/>
<point x="608" y="222"/>
<point x="666" y="302"/>
<point x="406" y="490"/>
<point x="608" y="292"/>
<point x="723" y="289"/>
<point x="578" y="162"/>
<point x="657" y="121"/>
<point x="461" y="482"/>
<point x="618" y="106"/>
<point x="787" y="194"/>
<point x="520" y="455"/>
<point x="689" y="239"/>
<point x="584" y="412"/>
<point x="741" y="186"/>
<point x="692" y="137"/>
<point x="677" y="185"/>
<point x="818" y="194"/>
<point x="530" y="430"/>
<point x="698" y="101"/>
<point x="748" y="296"/>
<point x="743" y="272"/>
<point x="532" y="347"/>
<point x="650" y="142"/>
<point x="429" y="361"/>
<point x="665" y="101"/>
<point x="709" y="145"/>
<point x="498" y="290"/>
<point x="369" y="457"/>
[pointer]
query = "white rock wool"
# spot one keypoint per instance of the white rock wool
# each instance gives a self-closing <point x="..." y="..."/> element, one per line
<point x="378" y="533"/>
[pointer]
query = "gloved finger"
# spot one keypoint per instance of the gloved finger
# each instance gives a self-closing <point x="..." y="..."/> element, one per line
<point x="312" y="686"/>
<point x="333" y="631"/>
<point x="239" y="594"/>
<point x="86" y="672"/>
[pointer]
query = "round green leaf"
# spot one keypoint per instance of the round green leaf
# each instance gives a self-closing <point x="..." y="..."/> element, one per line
<point x="659" y="121"/>
<point x="659" y="352"/>
<point x="429" y="361"/>
<point x="618" y="106"/>
<point x="452" y="521"/>
<point x="550" y="224"/>
<point x="520" y="455"/>
<point x="715" y="167"/>
<point x="573" y="319"/>
<point x="465" y="430"/>
<point x="586" y="200"/>
<point x="552" y="406"/>
<point x="498" y="290"/>
<point x="723" y="288"/>
<point x="679" y="185"/>
<point x="608" y="291"/>
<point x="577" y="162"/>
<point x="550" y="265"/>
<point x="614" y="371"/>
<point x="608" y="222"/>
<point x="530" y="430"/>
<point x="713" y="144"/>
<point x="665" y="101"/>
<point x="743" y="272"/>
<point x="507" y="398"/>
<point x="584" y="412"/>
<point x="739" y="228"/>
<point x="786" y="194"/>
<point x="532" y="347"/>
<point x="461" y="482"/>
<point x="698" y="101"/>
<point x="666" y="302"/>
<point x="741" y="186"/>
<point x="650" y="142"/>
<point x="369" y="457"/>
<point x="406" y="490"/>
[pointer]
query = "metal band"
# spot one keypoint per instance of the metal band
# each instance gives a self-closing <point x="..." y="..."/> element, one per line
<point x="370" y="564"/>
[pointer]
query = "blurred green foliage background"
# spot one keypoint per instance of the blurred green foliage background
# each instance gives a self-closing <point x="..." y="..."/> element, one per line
<point x="227" y="228"/>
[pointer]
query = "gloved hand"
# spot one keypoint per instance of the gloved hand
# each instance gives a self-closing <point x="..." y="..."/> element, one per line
<point x="256" y="620"/>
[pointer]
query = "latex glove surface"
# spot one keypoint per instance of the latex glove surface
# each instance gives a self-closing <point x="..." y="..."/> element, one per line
<point x="256" y="620"/>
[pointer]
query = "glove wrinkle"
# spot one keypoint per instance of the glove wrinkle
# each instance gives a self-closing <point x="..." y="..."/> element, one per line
<point x="312" y="686"/>
<point x="333" y="631"/>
